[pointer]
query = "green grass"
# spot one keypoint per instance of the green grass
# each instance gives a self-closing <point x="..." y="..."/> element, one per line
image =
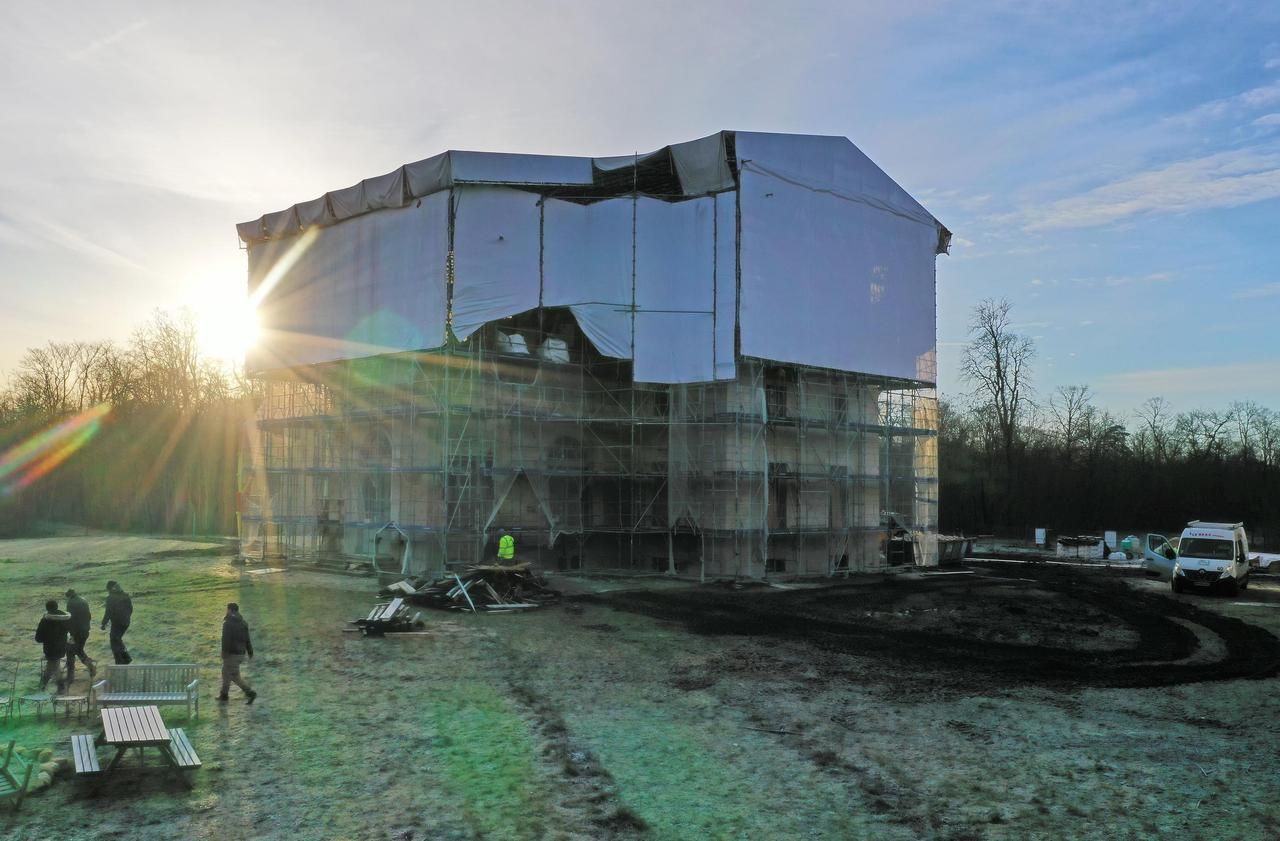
<point x="580" y="725"/>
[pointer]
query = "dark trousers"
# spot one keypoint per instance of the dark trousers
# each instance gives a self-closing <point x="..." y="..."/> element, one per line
<point x="53" y="672"/>
<point x="117" y="645"/>
<point x="75" y="651"/>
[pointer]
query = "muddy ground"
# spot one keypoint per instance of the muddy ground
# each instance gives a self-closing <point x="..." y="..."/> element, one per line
<point x="1000" y="701"/>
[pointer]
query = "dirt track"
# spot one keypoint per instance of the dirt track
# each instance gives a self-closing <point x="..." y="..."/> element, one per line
<point x="1006" y="624"/>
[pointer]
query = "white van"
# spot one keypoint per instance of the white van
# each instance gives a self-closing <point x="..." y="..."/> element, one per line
<point x="1212" y="555"/>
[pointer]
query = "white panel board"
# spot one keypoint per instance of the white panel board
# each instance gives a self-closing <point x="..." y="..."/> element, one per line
<point x="586" y="265"/>
<point x="675" y="295"/>
<point x="496" y="255"/>
<point x="373" y="284"/>
<point x="837" y="260"/>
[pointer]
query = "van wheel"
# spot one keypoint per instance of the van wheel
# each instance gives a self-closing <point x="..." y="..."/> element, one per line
<point x="1175" y="584"/>
<point x="1244" y="582"/>
<point x="1231" y="589"/>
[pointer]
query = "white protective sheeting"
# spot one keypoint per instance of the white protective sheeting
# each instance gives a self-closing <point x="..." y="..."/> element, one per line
<point x="702" y="165"/>
<point x="837" y="260"/>
<point x="496" y="256"/>
<point x="586" y="265"/>
<point x="502" y="168"/>
<point x="348" y="202"/>
<point x="374" y="284"/>
<point x="385" y="190"/>
<point x="675" y="297"/>
<point x="429" y="175"/>
<point x="314" y="212"/>
<point x="726" y="285"/>
<point x="659" y="310"/>
<point x="281" y="224"/>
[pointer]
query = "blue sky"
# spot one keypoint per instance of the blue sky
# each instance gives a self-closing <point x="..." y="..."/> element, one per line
<point x="1113" y="172"/>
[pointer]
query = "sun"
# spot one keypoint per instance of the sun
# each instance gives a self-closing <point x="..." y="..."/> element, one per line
<point x="226" y="322"/>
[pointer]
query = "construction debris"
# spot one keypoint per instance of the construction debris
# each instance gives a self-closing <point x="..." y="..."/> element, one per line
<point x="489" y="589"/>
<point x="388" y="617"/>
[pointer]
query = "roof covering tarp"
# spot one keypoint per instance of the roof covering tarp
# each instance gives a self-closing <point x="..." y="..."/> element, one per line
<point x="835" y="267"/>
<point x="701" y="165"/>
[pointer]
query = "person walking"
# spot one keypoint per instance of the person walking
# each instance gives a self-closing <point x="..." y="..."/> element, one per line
<point x="236" y="645"/>
<point x="118" y="613"/>
<point x="81" y="620"/>
<point x="52" y="634"/>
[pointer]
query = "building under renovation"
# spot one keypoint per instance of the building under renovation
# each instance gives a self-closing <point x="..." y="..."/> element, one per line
<point x="714" y="359"/>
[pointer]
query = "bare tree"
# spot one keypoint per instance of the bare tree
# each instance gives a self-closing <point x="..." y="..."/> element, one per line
<point x="997" y="362"/>
<point x="1156" y="417"/>
<point x="46" y="379"/>
<point x="1067" y="409"/>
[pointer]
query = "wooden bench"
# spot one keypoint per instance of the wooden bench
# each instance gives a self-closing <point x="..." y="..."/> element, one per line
<point x="145" y="684"/>
<point x="15" y="774"/>
<point x="85" y="751"/>
<point x="180" y="748"/>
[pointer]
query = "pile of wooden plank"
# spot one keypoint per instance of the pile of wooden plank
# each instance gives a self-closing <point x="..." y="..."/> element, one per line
<point x="479" y="589"/>
<point x="387" y="617"/>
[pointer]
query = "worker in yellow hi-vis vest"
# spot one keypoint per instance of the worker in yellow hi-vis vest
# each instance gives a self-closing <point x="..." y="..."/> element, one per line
<point x="506" y="549"/>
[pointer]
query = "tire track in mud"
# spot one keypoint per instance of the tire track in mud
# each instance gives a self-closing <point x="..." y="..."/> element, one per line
<point x="587" y="789"/>
<point x="845" y="619"/>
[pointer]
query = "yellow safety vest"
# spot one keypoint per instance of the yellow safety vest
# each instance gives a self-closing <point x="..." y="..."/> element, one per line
<point x="506" y="548"/>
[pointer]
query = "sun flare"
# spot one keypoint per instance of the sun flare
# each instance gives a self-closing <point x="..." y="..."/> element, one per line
<point x="226" y="322"/>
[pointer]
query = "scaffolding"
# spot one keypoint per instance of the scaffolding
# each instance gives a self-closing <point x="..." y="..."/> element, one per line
<point x="415" y="462"/>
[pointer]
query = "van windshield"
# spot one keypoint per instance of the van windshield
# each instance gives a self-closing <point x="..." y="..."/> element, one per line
<point x="1206" y="547"/>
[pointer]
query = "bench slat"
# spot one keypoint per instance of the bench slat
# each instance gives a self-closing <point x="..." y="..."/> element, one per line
<point x="86" y="755"/>
<point x="183" y="753"/>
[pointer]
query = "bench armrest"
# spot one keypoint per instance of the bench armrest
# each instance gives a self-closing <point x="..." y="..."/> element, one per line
<point x="191" y="687"/>
<point x="94" y="690"/>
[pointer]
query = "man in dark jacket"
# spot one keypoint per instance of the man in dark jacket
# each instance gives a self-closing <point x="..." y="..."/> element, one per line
<point x="118" y="612"/>
<point x="52" y="634"/>
<point x="236" y="645"/>
<point x="80" y="622"/>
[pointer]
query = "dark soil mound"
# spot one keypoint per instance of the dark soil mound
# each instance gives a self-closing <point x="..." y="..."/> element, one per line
<point x="1015" y="624"/>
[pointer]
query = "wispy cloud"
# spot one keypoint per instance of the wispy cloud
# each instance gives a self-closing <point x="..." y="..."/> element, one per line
<point x="1266" y="290"/>
<point x="1129" y="280"/>
<point x="33" y="229"/>
<point x="1206" y="381"/>
<point x="1259" y="97"/>
<point x="1121" y="280"/>
<point x="1224" y="179"/>
<point x="107" y="40"/>
<point x="1268" y="119"/>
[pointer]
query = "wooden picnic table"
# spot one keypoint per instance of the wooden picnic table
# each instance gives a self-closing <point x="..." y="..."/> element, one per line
<point x="135" y="727"/>
<point x="140" y="728"/>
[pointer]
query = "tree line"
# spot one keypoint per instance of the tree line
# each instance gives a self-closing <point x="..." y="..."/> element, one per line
<point x="1010" y="462"/>
<point x="143" y="435"/>
<point x="166" y="455"/>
